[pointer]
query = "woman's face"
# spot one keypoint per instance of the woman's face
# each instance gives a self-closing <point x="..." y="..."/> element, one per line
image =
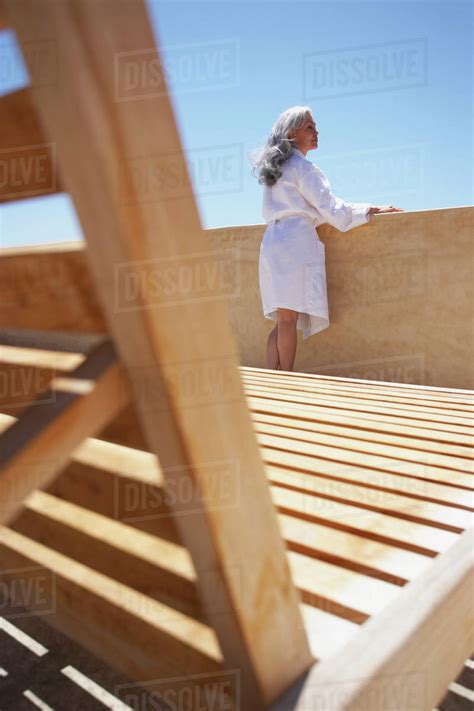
<point x="306" y="137"/>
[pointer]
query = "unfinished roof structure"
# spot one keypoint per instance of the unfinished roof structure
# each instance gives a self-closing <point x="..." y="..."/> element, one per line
<point x="251" y="538"/>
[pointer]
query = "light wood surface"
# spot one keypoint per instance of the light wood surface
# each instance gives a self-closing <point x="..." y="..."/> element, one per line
<point x="145" y="639"/>
<point x="351" y="547"/>
<point x="408" y="651"/>
<point x="343" y="534"/>
<point x="28" y="157"/>
<point x="162" y="345"/>
<point x="36" y="446"/>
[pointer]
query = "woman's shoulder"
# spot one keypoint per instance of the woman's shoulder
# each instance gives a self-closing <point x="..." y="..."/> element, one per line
<point x="305" y="167"/>
<point x="302" y="163"/>
<point x="298" y="162"/>
<point x="313" y="172"/>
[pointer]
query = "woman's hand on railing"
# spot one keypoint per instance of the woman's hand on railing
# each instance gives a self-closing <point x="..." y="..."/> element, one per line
<point x="384" y="208"/>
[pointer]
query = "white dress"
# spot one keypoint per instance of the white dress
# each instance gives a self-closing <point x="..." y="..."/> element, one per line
<point x="292" y="265"/>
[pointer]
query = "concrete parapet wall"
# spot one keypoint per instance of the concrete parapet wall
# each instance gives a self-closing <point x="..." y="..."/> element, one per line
<point x="400" y="292"/>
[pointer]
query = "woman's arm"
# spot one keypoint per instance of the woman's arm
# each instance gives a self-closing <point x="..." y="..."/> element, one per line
<point x="316" y="189"/>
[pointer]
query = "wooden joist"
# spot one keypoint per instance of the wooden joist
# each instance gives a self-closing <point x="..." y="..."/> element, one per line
<point x="164" y="573"/>
<point x="138" y="502"/>
<point x="339" y="591"/>
<point x="145" y="639"/>
<point x="331" y="588"/>
<point x="29" y="360"/>
<point x="147" y="563"/>
<point x="323" y="534"/>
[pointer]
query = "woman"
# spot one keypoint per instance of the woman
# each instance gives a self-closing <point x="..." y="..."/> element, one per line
<point x="297" y="198"/>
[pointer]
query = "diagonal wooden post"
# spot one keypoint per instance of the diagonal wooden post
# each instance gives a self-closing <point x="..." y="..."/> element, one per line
<point x="164" y="295"/>
<point x="35" y="448"/>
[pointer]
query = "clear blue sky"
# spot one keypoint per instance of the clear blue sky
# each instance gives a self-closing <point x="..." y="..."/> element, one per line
<point x="390" y="85"/>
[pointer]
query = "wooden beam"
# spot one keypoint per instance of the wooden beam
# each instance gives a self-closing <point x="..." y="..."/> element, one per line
<point x="124" y="484"/>
<point x="61" y="342"/>
<point x="36" y="447"/>
<point x="143" y="638"/>
<point x="28" y="159"/>
<point x="129" y="486"/>
<point x="4" y="24"/>
<point x="133" y="498"/>
<point x="147" y="563"/>
<point x="407" y="654"/>
<point x="29" y="360"/>
<point x="102" y="129"/>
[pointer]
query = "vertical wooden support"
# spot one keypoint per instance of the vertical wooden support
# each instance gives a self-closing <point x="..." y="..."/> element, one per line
<point x="163" y="294"/>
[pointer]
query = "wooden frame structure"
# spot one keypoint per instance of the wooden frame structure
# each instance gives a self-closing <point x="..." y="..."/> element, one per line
<point x="146" y="395"/>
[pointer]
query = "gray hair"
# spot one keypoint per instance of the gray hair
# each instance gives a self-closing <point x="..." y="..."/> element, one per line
<point x="267" y="161"/>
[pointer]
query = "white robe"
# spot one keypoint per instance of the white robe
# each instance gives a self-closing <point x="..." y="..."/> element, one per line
<point x="292" y="265"/>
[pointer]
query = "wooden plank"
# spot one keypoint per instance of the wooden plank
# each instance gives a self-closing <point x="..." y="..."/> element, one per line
<point x="30" y="359"/>
<point x="343" y="457"/>
<point x="415" y="414"/>
<point x="163" y="570"/>
<point x="394" y="503"/>
<point x="130" y="238"/>
<point x="419" y="446"/>
<point x="37" y="445"/>
<point x="338" y="591"/>
<point x="141" y="637"/>
<point x="26" y="374"/>
<point x="158" y="568"/>
<point x="326" y="630"/>
<point x="382" y="385"/>
<point x="383" y="421"/>
<point x="128" y="485"/>
<point x="22" y="384"/>
<point x="28" y="158"/>
<point x="427" y="401"/>
<point x="355" y="552"/>
<point x="340" y="439"/>
<point x="121" y="470"/>
<point x="394" y="655"/>
<point x="417" y="487"/>
<point x="122" y="483"/>
<point x="346" y="593"/>
<point x="416" y="537"/>
<point x="374" y="433"/>
<point x="388" y="391"/>
<point x="128" y="479"/>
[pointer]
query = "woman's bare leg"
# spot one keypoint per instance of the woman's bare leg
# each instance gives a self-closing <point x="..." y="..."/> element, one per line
<point x="286" y="337"/>
<point x="272" y="360"/>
